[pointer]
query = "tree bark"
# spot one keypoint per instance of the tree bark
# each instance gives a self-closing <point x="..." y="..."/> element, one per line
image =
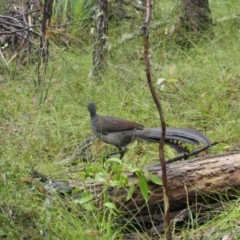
<point x="100" y="48"/>
<point x="197" y="15"/>
<point x="189" y="182"/>
<point x="40" y="84"/>
<point x="195" y="20"/>
<point x="194" y="186"/>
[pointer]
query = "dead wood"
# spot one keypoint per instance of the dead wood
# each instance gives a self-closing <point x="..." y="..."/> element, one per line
<point x="79" y="152"/>
<point x="191" y="181"/>
<point x="18" y="30"/>
<point x="196" y="187"/>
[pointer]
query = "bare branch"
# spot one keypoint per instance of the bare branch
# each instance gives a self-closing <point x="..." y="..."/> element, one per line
<point x="162" y="119"/>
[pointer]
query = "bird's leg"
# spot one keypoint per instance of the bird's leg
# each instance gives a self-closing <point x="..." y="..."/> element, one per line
<point x="110" y="154"/>
<point x="121" y="151"/>
<point x="121" y="154"/>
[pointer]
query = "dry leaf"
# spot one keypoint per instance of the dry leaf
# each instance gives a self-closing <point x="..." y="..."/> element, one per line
<point x="227" y="237"/>
<point x="172" y="69"/>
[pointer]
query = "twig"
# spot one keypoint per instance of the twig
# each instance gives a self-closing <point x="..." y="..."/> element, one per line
<point x="85" y="144"/>
<point x="20" y="36"/>
<point x="187" y="155"/>
<point x="35" y="174"/>
<point x="129" y="36"/>
<point x="13" y="32"/>
<point x="137" y="6"/>
<point x="12" y="24"/>
<point x="226" y="18"/>
<point x="11" y="58"/>
<point x="47" y="90"/>
<point x="69" y="23"/>
<point x="163" y="123"/>
<point x="10" y="18"/>
<point x="2" y="56"/>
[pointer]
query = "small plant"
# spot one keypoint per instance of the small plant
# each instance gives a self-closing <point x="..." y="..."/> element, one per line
<point x="76" y="13"/>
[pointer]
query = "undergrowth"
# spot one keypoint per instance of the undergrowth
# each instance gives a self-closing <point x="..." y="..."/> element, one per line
<point x="200" y="91"/>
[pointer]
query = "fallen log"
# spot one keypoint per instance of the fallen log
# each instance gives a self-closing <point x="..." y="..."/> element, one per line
<point x="199" y="178"/>
<point x="194" y="185"/>
<point x="198" y="182"/>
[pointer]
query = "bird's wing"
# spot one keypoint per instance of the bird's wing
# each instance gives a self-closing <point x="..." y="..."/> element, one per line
<point x="107" y="124"/>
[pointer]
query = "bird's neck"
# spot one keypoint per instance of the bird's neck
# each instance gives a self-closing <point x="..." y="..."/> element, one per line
<point x="93" y="114"/>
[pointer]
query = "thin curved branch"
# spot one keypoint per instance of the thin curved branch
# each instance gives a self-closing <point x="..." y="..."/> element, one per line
<point x="162" y="119"/>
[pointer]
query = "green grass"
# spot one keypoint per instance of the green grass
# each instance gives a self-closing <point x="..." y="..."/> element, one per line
<point x="202" y="92"/>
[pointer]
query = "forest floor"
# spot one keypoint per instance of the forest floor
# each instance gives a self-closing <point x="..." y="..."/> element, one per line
<point x="200" y="91"/>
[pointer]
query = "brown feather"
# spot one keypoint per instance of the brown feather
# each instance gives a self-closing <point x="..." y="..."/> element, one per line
<point x="113" y="124"/>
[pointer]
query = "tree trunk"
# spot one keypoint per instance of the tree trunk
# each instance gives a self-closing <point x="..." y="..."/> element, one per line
<point x="41" y="88"/>
<point x="195" y="21"/>
<point x="197" y="15"/>
<point x="100" y="37"/>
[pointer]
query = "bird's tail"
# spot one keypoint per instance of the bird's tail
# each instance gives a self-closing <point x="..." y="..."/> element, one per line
<point x="174" y="137"/>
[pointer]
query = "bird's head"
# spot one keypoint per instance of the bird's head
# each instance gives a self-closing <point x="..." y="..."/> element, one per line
<point x="92" y="109"/>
